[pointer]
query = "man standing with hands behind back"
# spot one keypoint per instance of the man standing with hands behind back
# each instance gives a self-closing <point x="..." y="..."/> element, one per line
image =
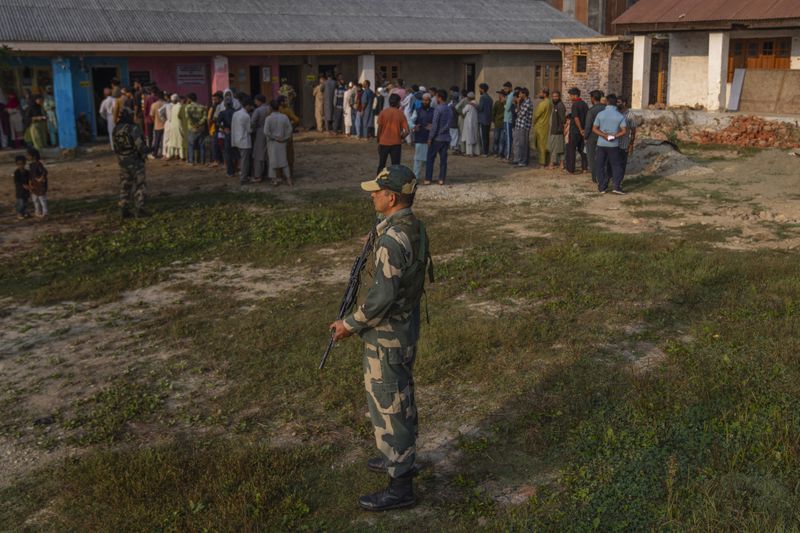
<point x="387" y="318"/>
<point x="609" y="126"/>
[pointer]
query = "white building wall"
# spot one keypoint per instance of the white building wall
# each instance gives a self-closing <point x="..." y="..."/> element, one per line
<point x="688" y="69"/>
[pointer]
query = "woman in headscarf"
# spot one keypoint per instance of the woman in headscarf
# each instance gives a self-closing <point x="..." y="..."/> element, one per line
<point x="228" y="98"/>
<point x="15" y="121"/>
<point x="50" y="110"/>
<point x="36" y="124"/>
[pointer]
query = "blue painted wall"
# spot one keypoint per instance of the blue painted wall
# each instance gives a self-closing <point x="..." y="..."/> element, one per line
<point x="65" y="103"/>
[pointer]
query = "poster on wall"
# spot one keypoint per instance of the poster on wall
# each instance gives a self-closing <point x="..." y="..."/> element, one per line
<point x="266" y="74"/>
<point x="191" y="74"/>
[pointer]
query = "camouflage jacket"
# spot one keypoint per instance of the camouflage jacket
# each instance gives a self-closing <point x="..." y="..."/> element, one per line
<point x="387" y="313"/>
<point x="129" y="143"/>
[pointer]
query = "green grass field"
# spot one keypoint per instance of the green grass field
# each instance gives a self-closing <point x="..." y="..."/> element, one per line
<point x="620" y="382"/>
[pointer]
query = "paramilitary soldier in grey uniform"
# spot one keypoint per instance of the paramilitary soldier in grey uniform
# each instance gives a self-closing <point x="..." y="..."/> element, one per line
<point x="387" y="318"/>
<point x="131" y="152"/>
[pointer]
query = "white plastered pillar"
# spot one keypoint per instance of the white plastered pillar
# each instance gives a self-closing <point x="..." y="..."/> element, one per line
<point x="795" y="64"/>
<point x="642" y="51"/>
<point x="366" y="69"/>
<point x="718" y="48"/>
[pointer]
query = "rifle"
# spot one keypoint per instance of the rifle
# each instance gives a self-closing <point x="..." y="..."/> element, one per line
<point x="351" y="291"/>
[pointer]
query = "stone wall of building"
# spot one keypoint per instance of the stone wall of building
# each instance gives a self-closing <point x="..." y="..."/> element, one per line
<point x="604" y="70"/>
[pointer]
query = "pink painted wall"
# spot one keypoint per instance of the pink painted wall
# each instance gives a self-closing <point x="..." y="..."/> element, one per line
<point x="164" y="72"/>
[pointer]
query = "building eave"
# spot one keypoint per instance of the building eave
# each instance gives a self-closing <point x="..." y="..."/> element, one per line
<point x="318" y="48"/>
<point x="593" y="40"/>
<point x="723" y="25"/>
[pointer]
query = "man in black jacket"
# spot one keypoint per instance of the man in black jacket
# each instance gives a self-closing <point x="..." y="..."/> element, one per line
<point x="484" y="117"/>
<point x="577" y="124"/>
<point x="589" y="135"/>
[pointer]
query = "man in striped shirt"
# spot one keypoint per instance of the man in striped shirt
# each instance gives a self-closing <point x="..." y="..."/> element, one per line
<point x="522" y="128"/>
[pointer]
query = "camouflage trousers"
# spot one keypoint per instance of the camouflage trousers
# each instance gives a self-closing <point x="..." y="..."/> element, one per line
<point x="132" y="188"/>
<point x="390" y="397"/>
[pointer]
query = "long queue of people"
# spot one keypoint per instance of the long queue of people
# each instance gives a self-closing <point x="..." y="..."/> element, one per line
<point x="510" y="127"/>
<point x="247" y="136"/>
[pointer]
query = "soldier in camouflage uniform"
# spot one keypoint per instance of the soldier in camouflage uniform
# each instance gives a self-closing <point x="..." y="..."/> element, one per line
<point x="387" y="318"/>
<point x="131" y="150"/>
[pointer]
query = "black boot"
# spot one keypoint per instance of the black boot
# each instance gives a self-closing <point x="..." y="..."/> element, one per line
<point x="376" y="464"/>
<point x="397" y="495"/>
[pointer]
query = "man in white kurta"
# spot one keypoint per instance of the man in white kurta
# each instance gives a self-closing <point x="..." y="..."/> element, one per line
<point x="470" y="132"/>
<point x="242" y="140"/>
<point x="349" y="95"/>
<point x="107" y="113"/>
<point x="278" y="131"/>
<point x="175" y="132"/>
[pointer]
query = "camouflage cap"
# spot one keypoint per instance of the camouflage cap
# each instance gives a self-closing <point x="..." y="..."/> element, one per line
<point x="395" y="178"/>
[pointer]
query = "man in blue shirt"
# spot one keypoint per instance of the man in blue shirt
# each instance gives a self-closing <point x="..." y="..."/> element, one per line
<point x="439" y="138"/>
<point x="609" y="126"/>
<point x="367" y="118"/>
<point x="422" y="127"/>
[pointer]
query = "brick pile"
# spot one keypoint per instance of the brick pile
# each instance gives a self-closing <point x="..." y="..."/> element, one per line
<point x="754" y="132"/>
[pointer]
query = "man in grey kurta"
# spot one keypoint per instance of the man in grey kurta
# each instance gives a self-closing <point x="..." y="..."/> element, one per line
<point x="257" y="119"/>
<point x="329" y="94"/>
<point x="278" y="131"/>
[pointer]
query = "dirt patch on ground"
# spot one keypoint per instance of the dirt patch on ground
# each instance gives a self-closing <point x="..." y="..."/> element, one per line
<point x="250" y="283"/>
<point x="54" y="357"/>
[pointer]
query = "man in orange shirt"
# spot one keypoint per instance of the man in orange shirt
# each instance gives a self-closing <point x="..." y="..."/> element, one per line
<point x="392" y="129"/>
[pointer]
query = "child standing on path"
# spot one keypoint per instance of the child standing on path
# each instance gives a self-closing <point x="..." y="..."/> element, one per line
<point x="38" y="183"/>
<point x="22" y="179"/>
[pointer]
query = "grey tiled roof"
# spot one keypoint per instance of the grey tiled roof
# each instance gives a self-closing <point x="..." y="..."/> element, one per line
<point x="285" y="21"/>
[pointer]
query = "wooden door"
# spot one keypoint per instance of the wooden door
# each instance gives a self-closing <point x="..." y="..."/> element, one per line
<point x="658" y="77"/>
<point x="547" y="76"/>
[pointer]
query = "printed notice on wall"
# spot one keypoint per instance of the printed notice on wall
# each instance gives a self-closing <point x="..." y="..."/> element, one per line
<point x="191" y="74"/>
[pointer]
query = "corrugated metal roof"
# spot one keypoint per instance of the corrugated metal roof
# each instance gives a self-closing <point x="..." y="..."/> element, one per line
<point x="284" y="21"/>
<point x="699" y="11"/>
